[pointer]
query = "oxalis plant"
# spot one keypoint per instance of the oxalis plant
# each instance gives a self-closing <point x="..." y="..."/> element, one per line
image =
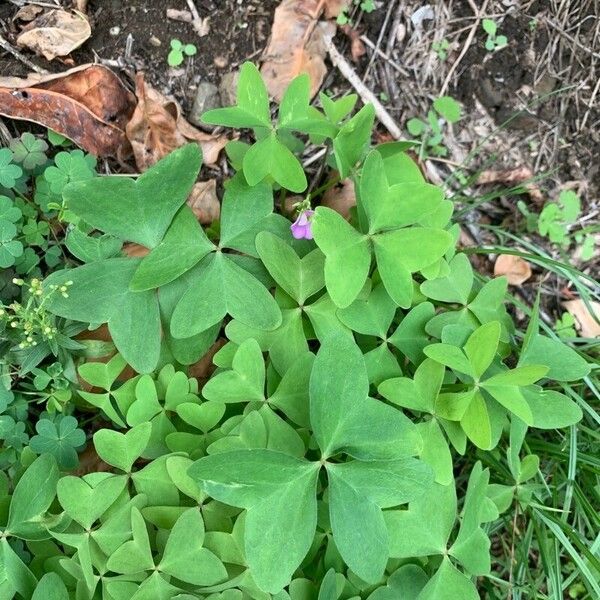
<point x="362" y="360"/>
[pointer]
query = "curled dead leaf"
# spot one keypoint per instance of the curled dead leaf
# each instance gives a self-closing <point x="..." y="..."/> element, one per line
<point x="357" y="47"/>
<point x="588" y="326"/>
<point x="297" y="46"/>
<point x="88" y="104"/>
<point x="55" y="33"/>
<point x="204" y="201"/>
<point x="157" y="128"/>
<point x="28" y="13"/>
<point x="516" y="270"/>
<point x="341" y="198"/>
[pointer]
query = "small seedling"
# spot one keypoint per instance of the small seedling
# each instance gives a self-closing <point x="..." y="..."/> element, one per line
<point x="493" y="42"/>
<point x="565" y="326"/>
<point x="367" y="6"/>
<point x="445" y="109"/>
<point x="441" y="49"/>
<point x="179" y="51"/>
<point x="556" y="220"/>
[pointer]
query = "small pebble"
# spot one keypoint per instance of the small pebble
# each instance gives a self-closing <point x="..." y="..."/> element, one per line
<point x="220" y="62"/>
<point x="115" y="30"/>
<point x="207" y="98"/>
<point x="155" y="41"/>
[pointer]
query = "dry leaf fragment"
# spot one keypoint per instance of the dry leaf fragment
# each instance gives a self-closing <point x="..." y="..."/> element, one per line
<point x="297" y="46"/>
<point x="512" y="177"/>
<point x="341" y="198"/>
<point x="357" y="47"/>
<point x="28" y="12"/>
<point x="516" y="269"/>
<point x="588" y="327"/>
<point x="333" y="8"/>
<point x="55" y="33"/>
<point x="204" y="201"/>
<point x="157" y="128"/>
<point x="88" y="104"/>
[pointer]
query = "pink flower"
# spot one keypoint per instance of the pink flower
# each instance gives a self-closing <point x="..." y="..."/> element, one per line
<point x="302" y="226"/>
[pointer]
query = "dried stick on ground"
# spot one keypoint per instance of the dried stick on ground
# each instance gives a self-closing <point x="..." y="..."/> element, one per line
<point x="363" y="91"/>
<point x="4" y="44"/>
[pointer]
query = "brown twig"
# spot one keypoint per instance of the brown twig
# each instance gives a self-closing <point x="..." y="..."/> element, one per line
<point x="364" y="92"/>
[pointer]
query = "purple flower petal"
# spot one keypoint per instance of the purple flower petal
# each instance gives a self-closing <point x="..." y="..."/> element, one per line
<point x="302" y="227"/>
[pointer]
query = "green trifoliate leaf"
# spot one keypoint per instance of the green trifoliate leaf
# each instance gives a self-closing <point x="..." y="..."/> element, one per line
<point x="100" y="294"/>
<point x="221" y="287"/>
<point x="87" y="498"/>
<point x="343" y="418"/>
<point x="551" y="409"/>
<point x="185" y="558"/>
<point x="298" y="277"/>
<point x="352" y="141"/>
<point x="410" y="337"/>
<point x="406" y="583"/>
<point x="9" y="172"/>
<point x="135" y="555"/>
<point x="456" y="286"/>
<point x="347" y="255"/>
<point x="278" y="492"/>
<point x="244" y="382"/>
<point x="29" y="151"/>
<point x="269" y="157"/>
<point x="184" y="244"/>
<point x="372" y="316"/>
<point x="60" y="438"/>
<point x="121" y="450"/>
<point x="146" y="206"/>
<point x="399" y="205"/>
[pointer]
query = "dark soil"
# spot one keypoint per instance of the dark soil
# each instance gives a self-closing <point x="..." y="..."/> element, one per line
<point x="238" y="31"/>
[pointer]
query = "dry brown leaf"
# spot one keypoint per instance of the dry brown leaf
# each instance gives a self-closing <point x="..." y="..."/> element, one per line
<point x="55" y="33"/>
<point x="157" y="128"/>
<point x="341" y="198"/>
<point x="297" y="46"/>
<point x="588" y="326"/>
<point x="204" y="201"/>
<point x="27" y="13"/>
<point x="516" y="269"/>
<point x="88" y="104"/>
<point x="357" y="47"/>
<point x="334" y="7"/>
<point x="512" y="177"/>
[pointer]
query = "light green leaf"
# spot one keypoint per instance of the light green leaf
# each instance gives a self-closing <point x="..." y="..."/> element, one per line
<point x="449" y="584"/>
<point x="32" y="497"/>
<point x="410" y="337"/>
<point x="456" y="286"/>
<point x="185" y="558"/>
<point x="550" y="409"/>
<point x="278" y="492"/>
<point x="481" y="347"/>
<point x="343" y="418"/>
<point x="135" y="555"/>
<point x="270" y="157"/>
<point x="121" y="450"/>
<point x="137" y="210"/>
<point x="50" y="587"/>
<point x="353" y="139"/>
<point x="222" y="287"/>
<point x="299" y="277"/>
<point x="347" y="255"/>
<point x="184" y="244"/>
<point x="244" y="382"/>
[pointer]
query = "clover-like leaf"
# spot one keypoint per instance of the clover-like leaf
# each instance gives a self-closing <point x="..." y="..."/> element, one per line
<point x="61" y="438"/>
